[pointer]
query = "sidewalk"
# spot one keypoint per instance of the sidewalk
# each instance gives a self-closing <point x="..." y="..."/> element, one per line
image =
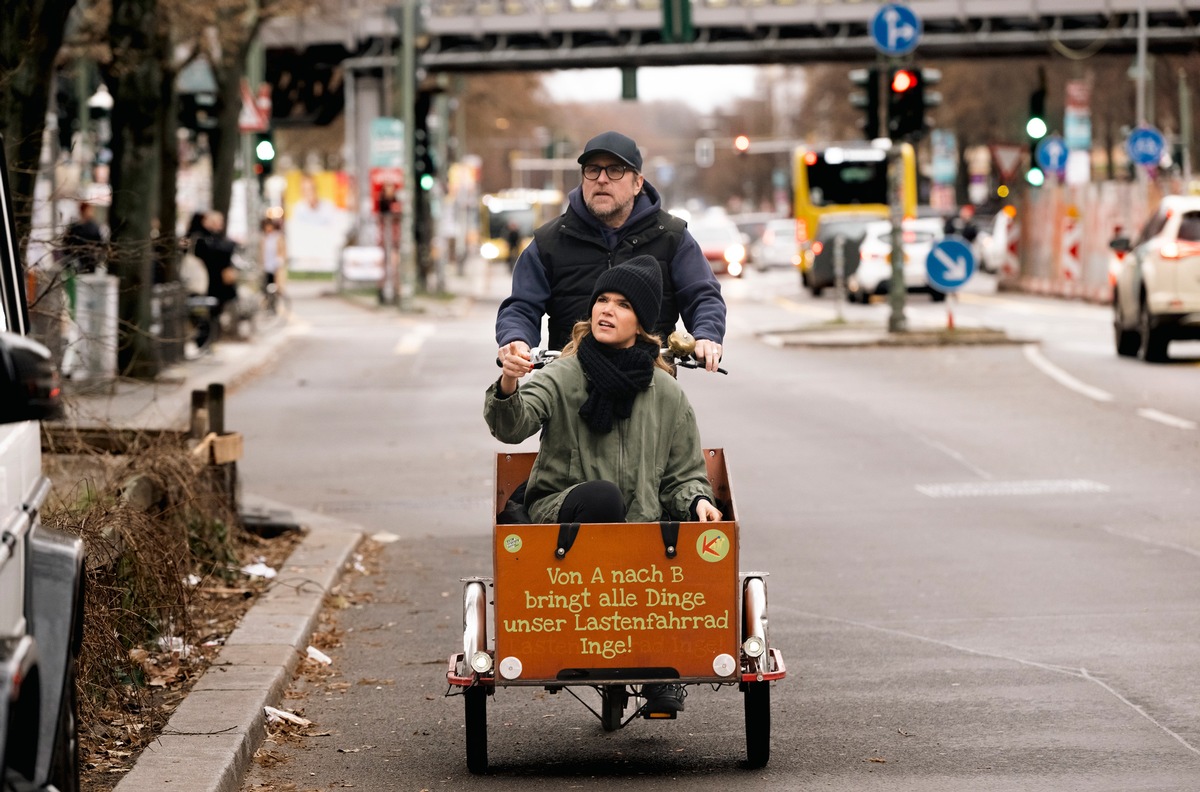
<point x="211" y="738"/>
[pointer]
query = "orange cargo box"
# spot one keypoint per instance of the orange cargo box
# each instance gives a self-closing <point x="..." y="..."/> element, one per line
<point x="620" y="601"/>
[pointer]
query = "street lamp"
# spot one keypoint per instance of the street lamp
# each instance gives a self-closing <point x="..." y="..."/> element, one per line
<point x="100" y="105"/>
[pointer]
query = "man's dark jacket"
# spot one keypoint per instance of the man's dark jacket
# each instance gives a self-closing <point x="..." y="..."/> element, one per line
<point x="557" y="272"/>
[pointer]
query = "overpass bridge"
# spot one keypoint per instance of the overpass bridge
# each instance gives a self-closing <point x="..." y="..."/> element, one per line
<point x="515" y="35"/>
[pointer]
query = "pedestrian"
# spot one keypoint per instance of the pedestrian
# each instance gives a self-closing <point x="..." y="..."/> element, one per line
<point x="612" y="216"/>
<point x="963" y="223"/>
<point x="272" y="255"/>
<point x="216" y="250"/>
<point x="619" y="439"/>
<point x="83" y="241"/>
<point x="512" y="238"/>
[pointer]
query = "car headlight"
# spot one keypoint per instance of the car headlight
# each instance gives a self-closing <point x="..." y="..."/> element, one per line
<point x="489" y="251"/>
<point x="735" y="254"/>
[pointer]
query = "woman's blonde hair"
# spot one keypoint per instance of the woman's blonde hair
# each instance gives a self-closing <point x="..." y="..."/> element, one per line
<point x="583" y="328"/>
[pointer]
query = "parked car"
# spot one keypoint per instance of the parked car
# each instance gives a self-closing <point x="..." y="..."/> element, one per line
<point x="776" y="246"/>
<point x="874" y="272"/>
<point x="721" y="243"/>
<point x="41" y="570"/>
<point x="1156" y="281"/>
<point x="817" y="263"/>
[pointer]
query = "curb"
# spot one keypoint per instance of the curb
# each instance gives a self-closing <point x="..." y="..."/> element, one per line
<point x="851" y="335"/>
<point x="211" y="738"/>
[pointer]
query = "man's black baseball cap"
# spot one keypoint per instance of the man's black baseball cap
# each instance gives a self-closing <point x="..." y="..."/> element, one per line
<point x="621" y="147"/>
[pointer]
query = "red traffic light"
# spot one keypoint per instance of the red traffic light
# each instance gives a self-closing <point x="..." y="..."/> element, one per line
<point x="902" y="80"/>
<point x="741" y="143"/>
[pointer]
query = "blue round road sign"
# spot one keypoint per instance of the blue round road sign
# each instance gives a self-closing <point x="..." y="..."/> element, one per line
<point x="1052" y="153"/>
<point x="950" y="264"/>
<point x="1146" y="145"/>
<point x="896" y="29"/>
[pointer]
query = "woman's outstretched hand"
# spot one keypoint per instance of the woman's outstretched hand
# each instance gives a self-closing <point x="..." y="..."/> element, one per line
<point x="515" y="363"/>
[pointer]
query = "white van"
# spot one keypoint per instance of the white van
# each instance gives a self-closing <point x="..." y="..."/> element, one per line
<point x="41" y="570"/>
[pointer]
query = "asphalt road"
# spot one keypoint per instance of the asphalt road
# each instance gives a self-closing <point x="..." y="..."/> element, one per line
<point x="984" y="560"/>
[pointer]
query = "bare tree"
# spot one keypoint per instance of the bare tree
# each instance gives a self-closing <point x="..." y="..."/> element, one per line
<point x="135" y="78"/>
<point x="30" y="39"/>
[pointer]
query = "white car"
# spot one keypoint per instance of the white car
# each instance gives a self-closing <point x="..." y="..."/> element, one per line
<point x="1156" y="281"/>
<point x="874" y="272"/>
<point x="776" y="247"/>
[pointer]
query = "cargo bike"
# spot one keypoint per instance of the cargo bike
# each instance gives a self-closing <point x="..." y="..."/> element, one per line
<point x="615" y="607"/>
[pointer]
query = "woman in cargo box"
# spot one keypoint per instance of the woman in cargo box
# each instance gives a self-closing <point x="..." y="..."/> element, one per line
<point x="620" y="441"/>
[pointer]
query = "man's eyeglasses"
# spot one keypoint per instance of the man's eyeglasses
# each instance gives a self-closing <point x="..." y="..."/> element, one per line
<point x="615" y="172"/>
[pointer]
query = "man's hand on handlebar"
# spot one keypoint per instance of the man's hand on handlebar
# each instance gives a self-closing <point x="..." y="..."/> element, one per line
<point x="706" y="512"/>
<point x="708" y="353"/>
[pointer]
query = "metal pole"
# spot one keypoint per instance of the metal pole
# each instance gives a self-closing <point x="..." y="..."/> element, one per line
<point x="408" y="101"/>
<point x="255" y="70"/>
<point x="1141" y="65"/>
<point x="897" y="323"/>
<point x="839" y="274"/>
<point x="1185" y="127"/>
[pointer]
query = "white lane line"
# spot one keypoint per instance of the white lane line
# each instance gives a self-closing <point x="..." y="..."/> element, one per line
<point x="978" y="489"/>
<point x="1155" y="542"/>
<point x="1151" y="414"/>
<point x="411" y="342"/>
<point x="955" y="455"/>
<point x="1063" y="378"/>
<point x="1079" y="673"/>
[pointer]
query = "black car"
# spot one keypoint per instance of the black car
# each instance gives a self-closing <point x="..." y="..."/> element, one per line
<point x="819" y="272"/>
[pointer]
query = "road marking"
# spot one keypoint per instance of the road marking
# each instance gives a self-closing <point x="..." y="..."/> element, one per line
<point x="819" y="311"/>
<point x="411" y="342"/>
<point x="1151" y="414"/>
<point x="1063" y="378"/>
<point x="1078" y="673"/>
<point x="955" y="455"/>
<point x="978" y="489"/>
<point x="1155" y="542"/>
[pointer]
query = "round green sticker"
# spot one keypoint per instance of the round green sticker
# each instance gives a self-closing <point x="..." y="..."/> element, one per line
<point x="712" y="545"/>
<point x="512" y="543"/>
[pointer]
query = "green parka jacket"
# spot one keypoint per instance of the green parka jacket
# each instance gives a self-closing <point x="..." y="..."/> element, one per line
<point x="654" y="457"/>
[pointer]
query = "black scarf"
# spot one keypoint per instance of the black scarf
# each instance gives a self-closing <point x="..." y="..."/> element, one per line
<point x="615" y="377"/>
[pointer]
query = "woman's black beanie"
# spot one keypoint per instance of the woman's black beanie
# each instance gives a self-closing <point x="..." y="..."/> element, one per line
<point x="640" y="281"/>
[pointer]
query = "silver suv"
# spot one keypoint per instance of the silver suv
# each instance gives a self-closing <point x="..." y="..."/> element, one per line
<point x="41" y="570"/>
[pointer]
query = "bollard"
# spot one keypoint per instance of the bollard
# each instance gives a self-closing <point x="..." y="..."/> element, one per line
<point x="216" y="408"/>
<point x="839" y="274"/>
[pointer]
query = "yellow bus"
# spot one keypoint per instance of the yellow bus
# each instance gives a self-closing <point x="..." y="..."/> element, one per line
<point x="513" y="215"/>
<point x="848" y="180"/>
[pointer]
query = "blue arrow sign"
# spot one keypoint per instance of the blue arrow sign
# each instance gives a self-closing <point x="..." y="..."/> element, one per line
<point x="950" y="264"/>
<point x="1146" y="146"/>
<point x="896" y="29"/>
<point x="1052" y="153"/>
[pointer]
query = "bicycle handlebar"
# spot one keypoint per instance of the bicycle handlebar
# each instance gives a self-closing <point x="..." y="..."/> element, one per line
<point x="680" y="351"/>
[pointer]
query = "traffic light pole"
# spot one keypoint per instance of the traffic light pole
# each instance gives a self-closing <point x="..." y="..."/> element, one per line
<point x="408" y="98"/>
<point x="897" y="323"/>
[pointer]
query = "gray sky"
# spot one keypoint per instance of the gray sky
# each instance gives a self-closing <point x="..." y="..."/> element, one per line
<point x="704" y="87"/>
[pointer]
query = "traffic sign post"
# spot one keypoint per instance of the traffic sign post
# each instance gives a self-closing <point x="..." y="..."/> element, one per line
<point x="896" y="29"/>
<point x="950" y="264"/>
<point x="1052" y="154"/>
<point x="1145" y="146"/>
